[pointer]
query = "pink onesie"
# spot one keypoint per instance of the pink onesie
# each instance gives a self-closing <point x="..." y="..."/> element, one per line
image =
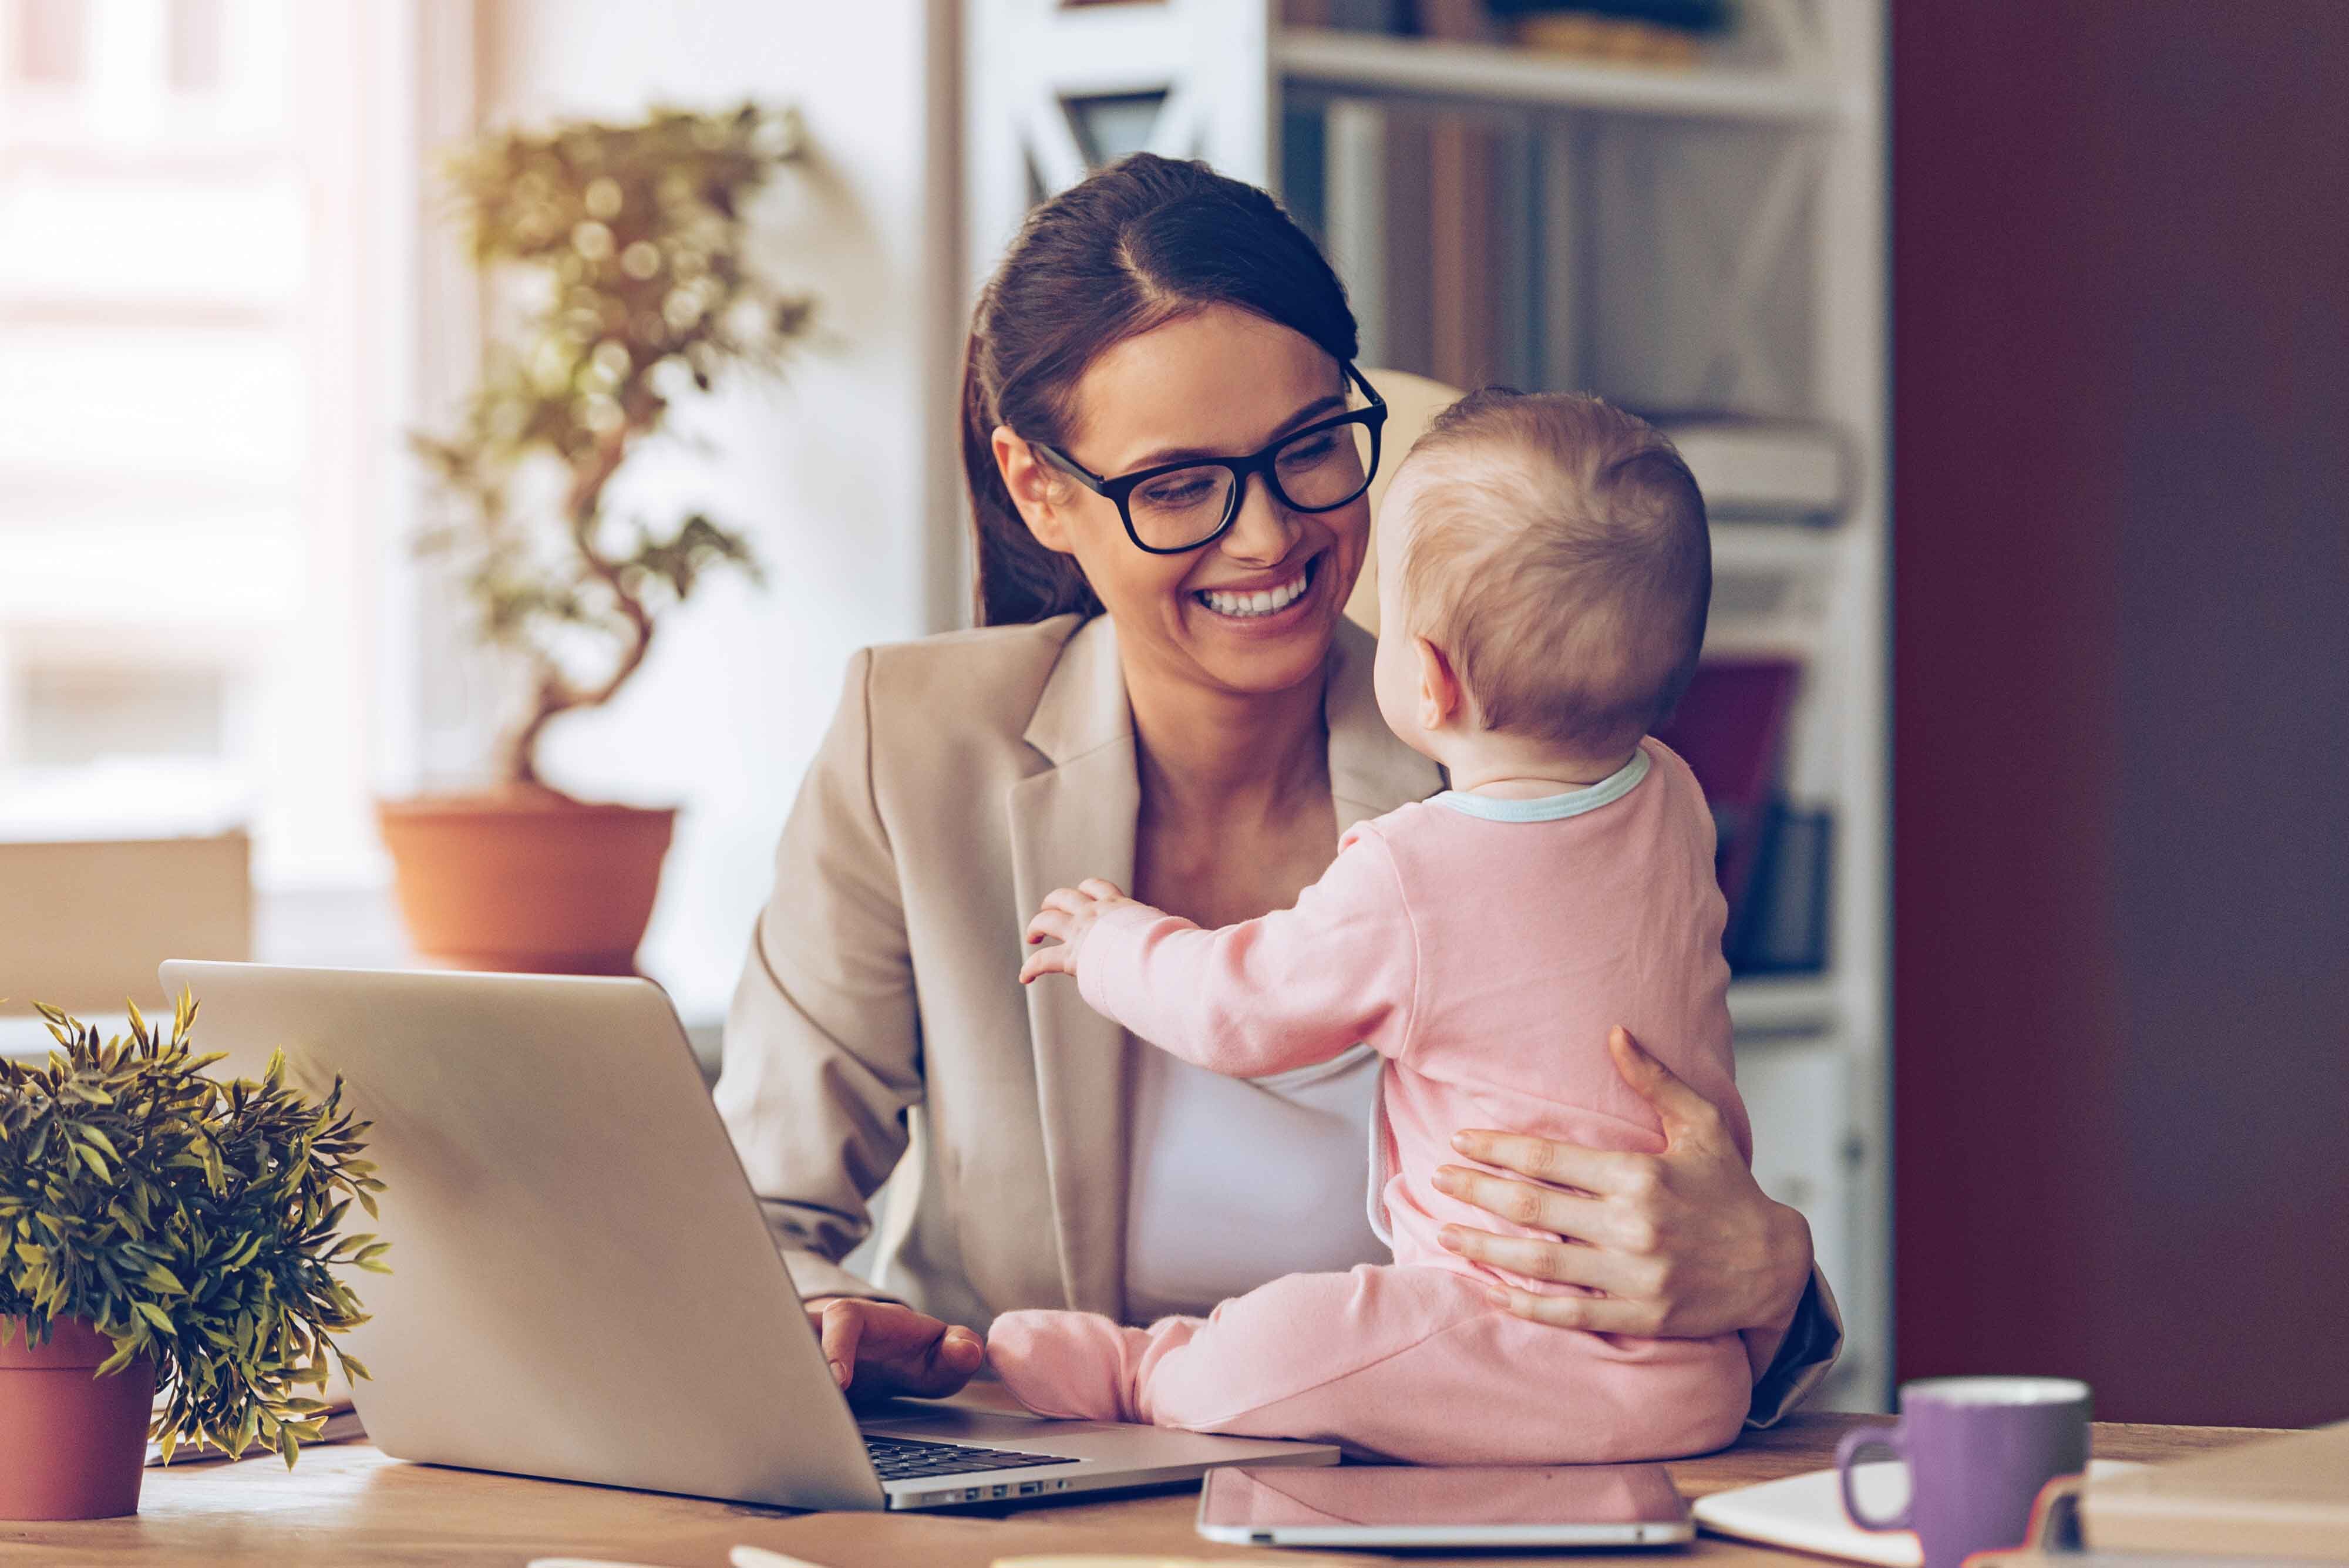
<point x="1484" y="948"/>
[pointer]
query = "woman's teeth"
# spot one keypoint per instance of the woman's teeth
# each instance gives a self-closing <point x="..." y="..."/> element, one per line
<point x="1265" y="603"/>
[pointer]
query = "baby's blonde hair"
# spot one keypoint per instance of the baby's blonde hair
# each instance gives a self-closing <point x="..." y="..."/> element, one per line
<point x="1557" y="552"/>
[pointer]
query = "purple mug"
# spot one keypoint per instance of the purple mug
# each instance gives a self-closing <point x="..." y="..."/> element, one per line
<point x="1978" y="1450"/>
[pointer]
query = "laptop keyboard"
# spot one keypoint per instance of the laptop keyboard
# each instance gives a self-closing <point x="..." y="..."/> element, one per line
<point x="903" y="1459"/>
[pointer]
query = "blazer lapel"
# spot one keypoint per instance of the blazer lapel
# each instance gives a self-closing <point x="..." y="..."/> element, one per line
<point x="1074" y="821"/>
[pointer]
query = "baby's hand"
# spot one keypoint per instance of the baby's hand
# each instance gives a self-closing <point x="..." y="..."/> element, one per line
<point x="1068" y="914"/>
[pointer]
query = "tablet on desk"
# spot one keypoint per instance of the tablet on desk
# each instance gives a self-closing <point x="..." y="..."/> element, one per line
<point x="1407" y="1505"/>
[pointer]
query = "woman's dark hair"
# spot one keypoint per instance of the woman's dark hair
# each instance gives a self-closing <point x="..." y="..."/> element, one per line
<point x="1140" y="244"/>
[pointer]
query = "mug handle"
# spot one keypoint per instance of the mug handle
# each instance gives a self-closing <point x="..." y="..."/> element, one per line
<point x="1850" y="1452"/>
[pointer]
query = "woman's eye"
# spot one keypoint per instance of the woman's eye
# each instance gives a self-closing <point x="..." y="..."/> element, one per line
<point x="1309" y="451"/>
<point x="1173" y="494"/>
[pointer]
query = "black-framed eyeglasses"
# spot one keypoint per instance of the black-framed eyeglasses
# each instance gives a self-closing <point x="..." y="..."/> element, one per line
<point x="1180" y="506"/>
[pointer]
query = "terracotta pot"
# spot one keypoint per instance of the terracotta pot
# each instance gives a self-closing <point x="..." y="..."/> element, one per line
<point x="525" y="880"/>
<point x="72" y="1445"/>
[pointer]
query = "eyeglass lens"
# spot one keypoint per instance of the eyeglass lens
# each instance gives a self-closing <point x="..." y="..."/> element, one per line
<point x="1314" y="470"/>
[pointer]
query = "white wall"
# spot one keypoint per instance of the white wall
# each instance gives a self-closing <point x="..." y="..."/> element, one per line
<point x="845" y="477"/>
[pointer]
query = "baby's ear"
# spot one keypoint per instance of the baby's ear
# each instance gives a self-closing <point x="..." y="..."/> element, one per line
<point x="1440" y="697"/>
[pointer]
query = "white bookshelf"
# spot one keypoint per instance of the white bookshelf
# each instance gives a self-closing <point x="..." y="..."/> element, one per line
<point x="1361" y="63"/>
<point x="1702" y="237"/>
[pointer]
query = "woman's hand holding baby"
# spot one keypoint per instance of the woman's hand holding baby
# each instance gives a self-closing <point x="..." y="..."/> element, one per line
<point x="1067" y="918"/>
<point x="1681" y="1244"/>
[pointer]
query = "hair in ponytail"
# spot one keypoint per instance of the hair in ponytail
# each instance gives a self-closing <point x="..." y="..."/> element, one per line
<point x="1142" y="243"/>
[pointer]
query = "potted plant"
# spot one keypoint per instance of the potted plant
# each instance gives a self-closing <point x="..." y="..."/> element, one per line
<point x="164" y="1232"/>
<point x="629" y="253"/>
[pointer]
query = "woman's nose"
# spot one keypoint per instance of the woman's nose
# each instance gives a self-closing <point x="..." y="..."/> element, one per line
<point x="1263" y="532"/>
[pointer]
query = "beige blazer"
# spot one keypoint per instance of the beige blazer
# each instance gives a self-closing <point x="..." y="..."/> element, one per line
<point x="880" y="1015"/>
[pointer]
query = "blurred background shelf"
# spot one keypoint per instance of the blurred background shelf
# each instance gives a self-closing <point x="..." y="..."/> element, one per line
<point x="1367" y="64"/>
<point x="1775" y="1006"/>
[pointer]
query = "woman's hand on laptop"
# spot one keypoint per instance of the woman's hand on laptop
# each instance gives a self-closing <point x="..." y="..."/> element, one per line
<point x="1680" y="1245"/>
<point x="880" y="1348"/>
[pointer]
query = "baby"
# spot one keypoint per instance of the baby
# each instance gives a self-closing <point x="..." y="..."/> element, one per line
<point x="1545" y="569"/>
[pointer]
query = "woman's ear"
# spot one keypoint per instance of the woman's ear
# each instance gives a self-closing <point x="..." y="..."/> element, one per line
<point x="1441" y="697"/>
<point x="1032" y="487"/>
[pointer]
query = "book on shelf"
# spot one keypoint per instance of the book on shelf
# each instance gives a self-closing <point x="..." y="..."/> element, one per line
<point x="1730" y="729"/>
<point x="1782" y="924"/>
<point x="1629" y="31"/>
<point x="1764" y="469"/>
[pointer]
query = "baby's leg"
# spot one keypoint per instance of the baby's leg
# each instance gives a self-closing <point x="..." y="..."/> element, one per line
<point x="1414" y="1364"/>
<point x="1078" y="1364"/>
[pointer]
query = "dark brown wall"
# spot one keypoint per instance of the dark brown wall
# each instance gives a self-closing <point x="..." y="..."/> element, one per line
<point x="2121" y="781"/>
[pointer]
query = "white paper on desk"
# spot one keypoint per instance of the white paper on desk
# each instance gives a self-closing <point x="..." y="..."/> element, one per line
<point x="1806" y="1513"/>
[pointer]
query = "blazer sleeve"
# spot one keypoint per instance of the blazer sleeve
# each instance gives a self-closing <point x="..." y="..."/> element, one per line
<point x="1789" y="1364"/>
<point x="1289" y="990"/>
<point x="823" y="1046"/>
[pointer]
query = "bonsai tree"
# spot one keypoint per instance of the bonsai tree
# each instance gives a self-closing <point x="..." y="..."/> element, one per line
<point x="192" y="1221"/>
<point x="629" y="245"/>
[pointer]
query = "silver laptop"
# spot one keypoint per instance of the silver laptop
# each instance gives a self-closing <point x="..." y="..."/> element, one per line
<point x="582" y="1287"/>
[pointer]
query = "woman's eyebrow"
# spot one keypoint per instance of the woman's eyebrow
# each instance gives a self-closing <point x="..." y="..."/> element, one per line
<point x="1320" y="408"/>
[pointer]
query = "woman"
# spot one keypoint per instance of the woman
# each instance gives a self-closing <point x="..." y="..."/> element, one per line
<point x="1189" y="717"/>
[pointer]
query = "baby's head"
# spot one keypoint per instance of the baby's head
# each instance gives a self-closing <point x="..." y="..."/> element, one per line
<point x="1543" y="569"/>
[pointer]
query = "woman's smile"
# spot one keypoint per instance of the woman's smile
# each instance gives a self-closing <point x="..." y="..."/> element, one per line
<point x="1269" y="604"/>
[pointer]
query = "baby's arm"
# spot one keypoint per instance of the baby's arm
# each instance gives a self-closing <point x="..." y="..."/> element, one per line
<point x="1297" y="987"/>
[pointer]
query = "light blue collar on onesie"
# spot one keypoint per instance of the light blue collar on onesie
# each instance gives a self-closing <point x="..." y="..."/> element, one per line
<point x="1550" y="807"/>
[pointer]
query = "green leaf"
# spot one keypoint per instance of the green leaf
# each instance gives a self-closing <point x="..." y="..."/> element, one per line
<point x="90" y="1157"/>
<point x="154" y="1314"/>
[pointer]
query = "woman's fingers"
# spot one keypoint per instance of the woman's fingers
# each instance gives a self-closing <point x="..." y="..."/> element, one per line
<point x="1686" y="1114"/>
<point x="1563" y="1262"/>
<point x="1567" y="1262"/>
<point x="881" y="1348"/>
<point x="943" y="1365"/>
<point x="840" y="1326"/>
<point x="1598" y="1314"/>
<point x="1525" y="1203"/>
<point x="1547" y="1159"/>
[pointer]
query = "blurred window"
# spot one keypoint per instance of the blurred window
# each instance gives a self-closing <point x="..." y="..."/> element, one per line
<point x="197" y="35"/>
<point x="49" y="40"/>
<point x="155" y="403"/>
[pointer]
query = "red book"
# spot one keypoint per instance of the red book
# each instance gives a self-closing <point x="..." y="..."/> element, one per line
<point x="1730" y="728"/>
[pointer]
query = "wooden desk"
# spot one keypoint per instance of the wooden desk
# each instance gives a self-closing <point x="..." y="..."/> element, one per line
<point x="350" y="1505"/>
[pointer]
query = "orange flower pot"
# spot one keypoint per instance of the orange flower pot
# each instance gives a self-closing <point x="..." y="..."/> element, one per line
<point x="72" y="1445"/>
<point x="525" y="880"/>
